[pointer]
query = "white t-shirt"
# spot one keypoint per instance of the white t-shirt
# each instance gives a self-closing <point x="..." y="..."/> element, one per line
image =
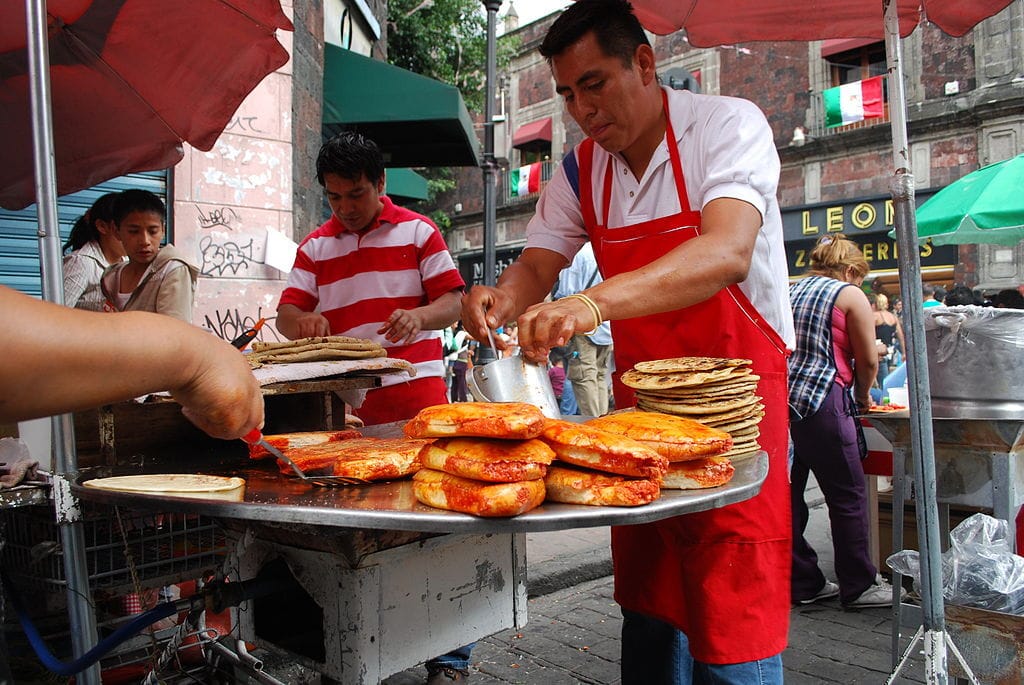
<point x="727" y="150"/>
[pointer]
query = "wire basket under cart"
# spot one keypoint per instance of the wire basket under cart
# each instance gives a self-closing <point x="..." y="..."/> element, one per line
<point x="134" y="561"/>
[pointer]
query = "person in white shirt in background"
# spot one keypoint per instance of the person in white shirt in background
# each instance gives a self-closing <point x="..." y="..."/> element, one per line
<point x="589" y="355"/>
<point x="95" y="246"/>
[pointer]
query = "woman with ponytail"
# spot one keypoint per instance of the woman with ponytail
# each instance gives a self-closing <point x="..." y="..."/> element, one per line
<point x="830" y="378"/>
<point x="95" y="246"/>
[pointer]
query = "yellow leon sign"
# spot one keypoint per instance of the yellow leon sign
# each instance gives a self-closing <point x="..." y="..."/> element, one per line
<point x="866" y="221"/>
<point x="840" y="218"/>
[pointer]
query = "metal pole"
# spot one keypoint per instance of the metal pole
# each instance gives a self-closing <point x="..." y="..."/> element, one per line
<point x="921" y="437"/>
<point x="80" y="612"/>
<point x="490" y="165"/>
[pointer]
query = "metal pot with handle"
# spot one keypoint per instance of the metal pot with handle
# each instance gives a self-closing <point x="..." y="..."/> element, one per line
<point x="513" y="379"/>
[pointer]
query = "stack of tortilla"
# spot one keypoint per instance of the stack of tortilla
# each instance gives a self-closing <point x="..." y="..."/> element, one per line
<point x="714" y="391"/>
<point x="325" y="348"/>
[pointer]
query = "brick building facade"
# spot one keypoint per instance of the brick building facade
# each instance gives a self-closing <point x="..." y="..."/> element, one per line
<point x="965" y="110"/>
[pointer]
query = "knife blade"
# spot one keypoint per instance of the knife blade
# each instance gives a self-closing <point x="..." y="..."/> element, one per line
<point x="255" y="437"/>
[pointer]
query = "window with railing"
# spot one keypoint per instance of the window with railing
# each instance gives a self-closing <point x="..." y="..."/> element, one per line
<point x="849" y="62"/>
<point x="524" y="183"/>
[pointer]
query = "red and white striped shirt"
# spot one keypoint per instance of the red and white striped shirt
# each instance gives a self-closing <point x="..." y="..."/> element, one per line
<point x="358" y="280"/>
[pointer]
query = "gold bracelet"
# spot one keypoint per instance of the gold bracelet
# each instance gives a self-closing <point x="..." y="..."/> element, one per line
<point x="594" y="309"/>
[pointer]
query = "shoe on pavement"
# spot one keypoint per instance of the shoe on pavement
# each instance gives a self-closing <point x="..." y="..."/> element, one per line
<point x="446" y="675"/>
<point x="878" y="595"/>
<point x="827" y="591"/>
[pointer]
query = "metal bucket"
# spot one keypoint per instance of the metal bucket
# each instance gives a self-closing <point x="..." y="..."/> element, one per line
<point x="976" y="362"/>
<point x="513" y="379"/>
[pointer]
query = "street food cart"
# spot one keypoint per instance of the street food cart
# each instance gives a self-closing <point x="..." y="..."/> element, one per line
<point x="375" y="581"/>
<point x="976" y="373"/>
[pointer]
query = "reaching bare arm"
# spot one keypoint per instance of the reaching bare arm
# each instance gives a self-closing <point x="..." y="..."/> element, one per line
<point x="60" y="360"/>
<point x="526" y="281"/>
<point x="405" y="324"/>
<point x="860" y="327"/>
<point x="293" y="323"/>
<point x="686" y="275"/>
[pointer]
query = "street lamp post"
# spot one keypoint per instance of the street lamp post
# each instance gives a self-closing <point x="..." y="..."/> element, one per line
<point x="490" y="165"/>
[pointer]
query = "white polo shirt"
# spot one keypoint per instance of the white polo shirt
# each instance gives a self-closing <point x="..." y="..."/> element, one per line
<point x="727" y="150"/>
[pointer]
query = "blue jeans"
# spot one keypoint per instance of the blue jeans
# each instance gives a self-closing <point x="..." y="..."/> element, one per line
<point x="457" y="659"/>
<point x="656" y="653"/>
<point x="567" y="405"/>
<point x="897" y="378"/>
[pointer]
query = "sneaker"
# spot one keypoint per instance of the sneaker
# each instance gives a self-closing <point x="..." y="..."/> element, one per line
<point x="447" y="675"/>
<point x="827" y="591"/>
<point x="878" y="595"/>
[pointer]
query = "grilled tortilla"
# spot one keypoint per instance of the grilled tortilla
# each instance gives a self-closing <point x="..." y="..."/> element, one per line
<point x="479" y="498"/>
<point x="506" y="420"/>
<point x="488" y="459"/>
<point x="573" y="485"/>
<point x="674" y="437"/>
<point x="590" y="447"/>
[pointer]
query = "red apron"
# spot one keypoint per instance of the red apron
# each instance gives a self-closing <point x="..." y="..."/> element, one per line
<point x="402" y="401"/>
<point x="721" y="576"/>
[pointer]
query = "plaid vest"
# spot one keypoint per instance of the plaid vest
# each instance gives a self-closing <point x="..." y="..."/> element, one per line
<point x="812" y="366"/>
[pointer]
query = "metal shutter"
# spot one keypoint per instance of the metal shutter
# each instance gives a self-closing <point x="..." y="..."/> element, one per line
<point x="19" y="244"/>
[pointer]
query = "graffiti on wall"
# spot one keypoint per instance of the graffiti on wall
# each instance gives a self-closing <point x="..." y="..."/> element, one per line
<point x="243" y="124"/>
<point x="225" y="258"/>
<point x="223" y="217"/>
<point x="228" y="324"/>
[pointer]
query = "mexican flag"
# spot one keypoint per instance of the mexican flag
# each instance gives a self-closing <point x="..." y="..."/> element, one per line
<point x="852" y="102"/>
<point x="525" y="180"/>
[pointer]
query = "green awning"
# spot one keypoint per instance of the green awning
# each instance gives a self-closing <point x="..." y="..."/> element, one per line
<point x="405" y="184"/>
<point x="416" y="120"/>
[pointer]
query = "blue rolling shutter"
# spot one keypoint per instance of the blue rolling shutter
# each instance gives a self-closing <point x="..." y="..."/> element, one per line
<point x="19" y="244"/>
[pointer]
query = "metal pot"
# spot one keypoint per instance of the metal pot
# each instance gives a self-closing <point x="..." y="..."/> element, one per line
<point x="513" y="379"/>
<point x="976" y="362"/>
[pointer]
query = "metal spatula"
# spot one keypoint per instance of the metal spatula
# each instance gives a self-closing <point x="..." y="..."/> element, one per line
<point x="255" y="437"/>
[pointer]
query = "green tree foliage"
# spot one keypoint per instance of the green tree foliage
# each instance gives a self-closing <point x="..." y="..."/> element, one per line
<point x="443" y="39"/>
<point x="447" y="41"/>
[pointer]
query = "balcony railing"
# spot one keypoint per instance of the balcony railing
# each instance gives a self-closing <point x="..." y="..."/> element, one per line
<point x="507" y="198"/>
<point x="818" y="129"/>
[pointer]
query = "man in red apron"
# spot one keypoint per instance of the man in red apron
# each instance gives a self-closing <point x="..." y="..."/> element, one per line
<point x="676" y="192"/>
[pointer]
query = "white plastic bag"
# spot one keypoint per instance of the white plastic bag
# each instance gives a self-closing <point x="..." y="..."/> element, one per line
<point x="979" y="569"/>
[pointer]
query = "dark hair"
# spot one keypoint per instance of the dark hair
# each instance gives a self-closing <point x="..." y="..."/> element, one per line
<point x="350" y="155"/>
<point x="1009" y="299"/>
<point x="940" y="293"/>
<point x="85" y="229"/>
<point x="616" y="28"/>
<point x="961" y="294"/>
<point x="137" y="200"/>
<point x="834" y="254"/>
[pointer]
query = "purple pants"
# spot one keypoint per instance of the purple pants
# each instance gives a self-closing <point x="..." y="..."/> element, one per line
<point x="830" y="444"/>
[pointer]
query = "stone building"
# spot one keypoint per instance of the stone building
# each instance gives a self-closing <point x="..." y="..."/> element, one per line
<point x="966" y="110"/>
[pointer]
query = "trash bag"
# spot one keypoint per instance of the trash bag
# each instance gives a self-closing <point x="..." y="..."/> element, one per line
<point x="979" y="569"/>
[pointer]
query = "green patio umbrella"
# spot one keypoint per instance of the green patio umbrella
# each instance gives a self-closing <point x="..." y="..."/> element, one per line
<point x="985" y="206"/>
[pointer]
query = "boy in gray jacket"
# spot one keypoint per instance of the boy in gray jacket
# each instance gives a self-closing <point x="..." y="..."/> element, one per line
<point x="154" y="279"/>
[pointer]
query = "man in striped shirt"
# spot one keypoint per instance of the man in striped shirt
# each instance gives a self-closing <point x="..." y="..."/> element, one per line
<point x="377" y="271"/>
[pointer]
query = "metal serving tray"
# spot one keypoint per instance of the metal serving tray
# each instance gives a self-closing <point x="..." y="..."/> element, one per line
<point x="270" y="496"/>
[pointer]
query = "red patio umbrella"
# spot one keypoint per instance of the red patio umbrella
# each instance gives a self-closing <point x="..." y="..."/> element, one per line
<point x="716" y="22"/>
<point x="130" y="81"/>
<point x="93" y="89"/>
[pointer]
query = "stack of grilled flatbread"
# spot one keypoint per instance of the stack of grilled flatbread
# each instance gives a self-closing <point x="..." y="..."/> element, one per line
<point x="693" y="450"/>
<point x="716" y="392"/>
<point x="327" y="348"/>
<point x="486" y="459"/>
<point x="600" y="468"/>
